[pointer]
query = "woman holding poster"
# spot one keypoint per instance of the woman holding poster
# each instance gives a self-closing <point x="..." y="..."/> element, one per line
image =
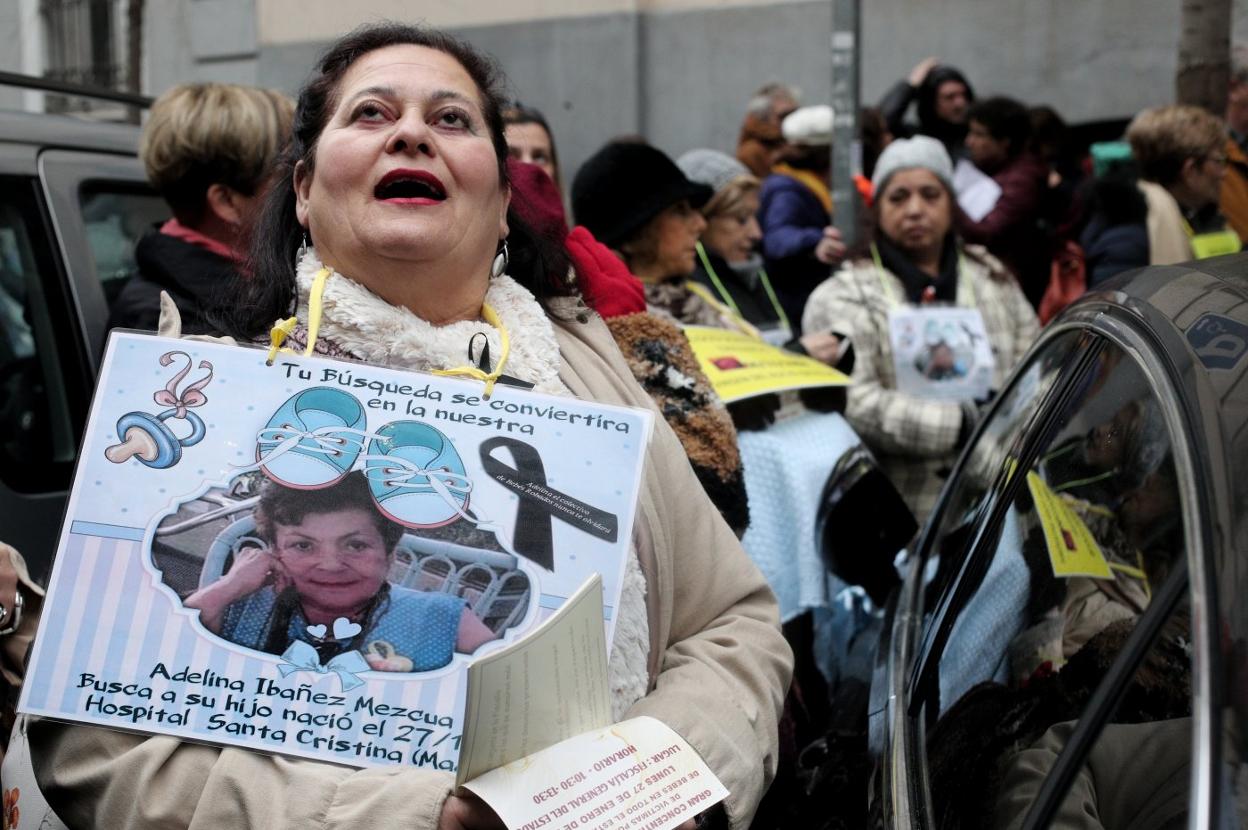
<point x="936" y="326"/>
<point x="394" y="208"/>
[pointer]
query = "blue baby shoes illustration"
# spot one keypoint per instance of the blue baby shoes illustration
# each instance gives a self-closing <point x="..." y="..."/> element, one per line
<point x="416" y="475"/>
<point x="150" y="438"/>
<point x="313" y="439"/>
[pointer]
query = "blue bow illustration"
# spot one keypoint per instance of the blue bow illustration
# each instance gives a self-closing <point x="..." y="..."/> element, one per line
<point x="302" y="657"/>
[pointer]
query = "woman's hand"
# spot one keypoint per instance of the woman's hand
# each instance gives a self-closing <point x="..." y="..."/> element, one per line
<point x="824" y="347"/>
<point x="468" y="813"/>
<point x="830" y="250"/>
<point x="252" y="570"/>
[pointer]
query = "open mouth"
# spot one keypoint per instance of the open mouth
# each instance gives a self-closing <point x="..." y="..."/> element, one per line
<point x="410" y="185"/>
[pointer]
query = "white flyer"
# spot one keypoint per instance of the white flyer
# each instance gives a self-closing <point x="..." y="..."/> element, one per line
<point x="633" y="775"/>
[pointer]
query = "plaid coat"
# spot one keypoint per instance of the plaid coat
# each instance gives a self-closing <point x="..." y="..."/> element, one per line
<point x="915" y="439"/>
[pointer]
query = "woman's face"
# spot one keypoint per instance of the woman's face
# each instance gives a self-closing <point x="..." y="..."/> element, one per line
<point x="914" y="210"/>
<point x="405" y="169"/>
<point x="675" y="231"/>
<point x="337" y="561"/>
<point x="733" y="234"/>
<point x="531" y="144"/>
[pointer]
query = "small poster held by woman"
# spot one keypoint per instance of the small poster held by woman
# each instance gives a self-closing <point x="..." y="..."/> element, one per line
<point x="304" y="557"/>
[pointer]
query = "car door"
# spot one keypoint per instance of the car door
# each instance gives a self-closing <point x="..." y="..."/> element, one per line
<point x="1058" y="604"/>
<point x="68" y="222"/>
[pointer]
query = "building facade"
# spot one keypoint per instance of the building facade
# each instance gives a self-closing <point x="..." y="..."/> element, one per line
<point x="676" y="71"/>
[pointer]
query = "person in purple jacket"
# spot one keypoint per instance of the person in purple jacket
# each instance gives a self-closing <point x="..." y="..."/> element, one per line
<point x="800" y="246"/>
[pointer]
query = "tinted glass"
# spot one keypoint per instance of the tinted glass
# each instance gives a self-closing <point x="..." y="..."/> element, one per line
<point x="28" y="453"/>
<point x="116" y="216"/>
<point x="1066" y="564"/>
<point x="967" y="504"/>
<point x="1137" y="773"/>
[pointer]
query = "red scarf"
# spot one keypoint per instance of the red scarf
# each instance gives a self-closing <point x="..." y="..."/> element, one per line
<point x="177" y="230"/>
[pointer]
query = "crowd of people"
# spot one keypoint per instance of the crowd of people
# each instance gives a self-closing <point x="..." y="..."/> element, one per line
<point x="983" y="217"/>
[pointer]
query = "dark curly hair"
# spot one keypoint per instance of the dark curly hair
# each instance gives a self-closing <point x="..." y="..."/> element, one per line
<point x="268" y="291"/>
<point x="1005" y="120"/>
<point x="287" y="506"/>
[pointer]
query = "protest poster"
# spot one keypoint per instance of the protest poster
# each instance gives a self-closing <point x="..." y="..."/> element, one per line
<point x="739" y="366"/>
<point x="456" y="524"/>
<point x="941" y="352"/>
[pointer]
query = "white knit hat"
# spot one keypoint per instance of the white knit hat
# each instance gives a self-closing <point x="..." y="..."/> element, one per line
<point x="921" y="151"/>
<point x="809" y="126"/>
<point x="711" y="168"/>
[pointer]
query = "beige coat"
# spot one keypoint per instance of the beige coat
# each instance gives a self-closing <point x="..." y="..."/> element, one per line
<point x="1168" y="240"/>
<point x="719" y="669"/>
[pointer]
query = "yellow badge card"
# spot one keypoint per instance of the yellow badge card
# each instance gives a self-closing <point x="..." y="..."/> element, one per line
<point x="740" y="366"/>
<point x="1072" y="548"/>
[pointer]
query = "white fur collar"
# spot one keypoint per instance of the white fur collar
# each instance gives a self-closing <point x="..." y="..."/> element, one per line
<point x="377" y="332"/>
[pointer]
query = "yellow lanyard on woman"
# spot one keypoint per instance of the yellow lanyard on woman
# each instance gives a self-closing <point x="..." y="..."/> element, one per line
<point x="284" y="328"/>
<point x="727" y="298"/>
<point x="963" y="280"/>
<point x="504" y="342"/>
<point x="729" y="315"/>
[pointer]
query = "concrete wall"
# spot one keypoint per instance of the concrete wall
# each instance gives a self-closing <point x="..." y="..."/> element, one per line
<point x="681" y="71"/>
<point x="21" y="50"/>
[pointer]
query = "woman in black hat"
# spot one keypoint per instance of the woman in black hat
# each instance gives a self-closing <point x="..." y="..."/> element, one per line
<point x="636" y="201"/>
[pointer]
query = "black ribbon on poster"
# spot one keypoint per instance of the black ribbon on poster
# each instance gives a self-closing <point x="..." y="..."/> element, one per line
<point x="539" y="502"/>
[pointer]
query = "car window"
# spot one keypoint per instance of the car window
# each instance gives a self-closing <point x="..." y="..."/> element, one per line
<point x="116" y="216"/>
<point x="1139" y="767"/>
<point x="36" y="443"/>
<point x="967" y="504"/>
<point x="1077" y="542"/>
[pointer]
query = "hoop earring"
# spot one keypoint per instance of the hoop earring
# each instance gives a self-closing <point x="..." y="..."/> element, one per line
<point x="501" y="261"/>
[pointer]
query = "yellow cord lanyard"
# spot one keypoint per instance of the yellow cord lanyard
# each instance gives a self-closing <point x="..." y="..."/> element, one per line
<point x="283" y="329"/>
<point x="964" y="282"/>
<point x="730" y="316"/>
<point x="731" y="303"/>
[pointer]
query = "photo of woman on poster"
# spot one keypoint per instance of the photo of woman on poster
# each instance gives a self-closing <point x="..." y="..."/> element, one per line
<point x="321" y="578"/>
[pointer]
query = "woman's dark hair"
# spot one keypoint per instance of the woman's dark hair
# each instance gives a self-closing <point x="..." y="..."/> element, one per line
<point x="1050" y="137"/>
<point x="268" y="291"/>
<point x="518" y="113"/>
<point x="287" y="506"/>
<point x="1005" y="119"/>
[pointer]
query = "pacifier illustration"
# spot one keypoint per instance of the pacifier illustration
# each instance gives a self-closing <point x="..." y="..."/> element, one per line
<point x="150" y="438"/>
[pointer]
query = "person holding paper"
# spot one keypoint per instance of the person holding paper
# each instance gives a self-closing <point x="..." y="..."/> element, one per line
<point x="393" y="200"/>
<point x="997" y="143"/>
<point x="921" y="299"/>
<point x="322" y="580"/>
